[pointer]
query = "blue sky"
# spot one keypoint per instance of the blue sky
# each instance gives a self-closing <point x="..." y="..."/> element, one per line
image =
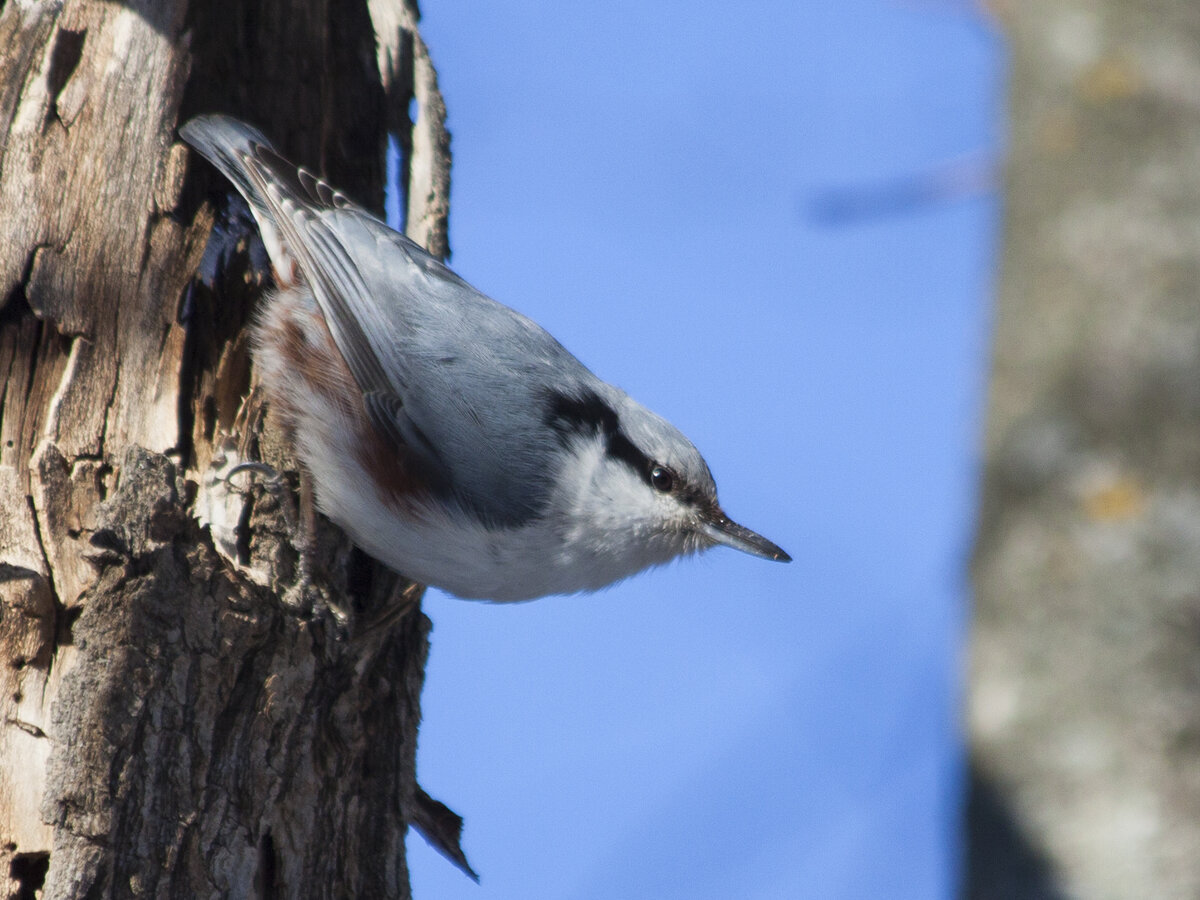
<point x="647" y="181"/>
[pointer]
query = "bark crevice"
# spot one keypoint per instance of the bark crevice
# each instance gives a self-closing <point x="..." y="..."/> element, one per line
<point x="173" y="726"/>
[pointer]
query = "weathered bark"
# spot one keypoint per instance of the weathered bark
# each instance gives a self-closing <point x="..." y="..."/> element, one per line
<point x="171" y="724"/>
<point x="1084" y="702"/>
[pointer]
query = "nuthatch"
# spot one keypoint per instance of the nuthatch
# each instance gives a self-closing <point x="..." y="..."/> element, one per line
<point x="451" y="437"/>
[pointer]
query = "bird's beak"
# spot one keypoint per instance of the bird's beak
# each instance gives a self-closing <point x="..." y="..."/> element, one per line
<point x="720" y="529"/>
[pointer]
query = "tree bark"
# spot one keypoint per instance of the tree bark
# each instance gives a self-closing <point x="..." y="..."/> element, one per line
<point x="172" y="724"/>
<point x="1084" y="700"/>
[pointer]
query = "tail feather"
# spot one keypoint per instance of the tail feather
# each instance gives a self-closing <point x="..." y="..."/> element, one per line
<point x="233" y="146"/>
<point x="224" y="142"/>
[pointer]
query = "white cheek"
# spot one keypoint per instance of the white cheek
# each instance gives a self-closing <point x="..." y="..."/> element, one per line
<point x="598" y="493"/>
<point x="608" y="508"/>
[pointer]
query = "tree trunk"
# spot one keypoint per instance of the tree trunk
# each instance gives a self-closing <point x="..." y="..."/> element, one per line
<point x="1084" y="701"/>
<point x="172" y="724"/>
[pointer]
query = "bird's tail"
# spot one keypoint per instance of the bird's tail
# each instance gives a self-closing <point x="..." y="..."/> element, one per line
<point x="244" y="155"/>
<point x="227" y="144"/>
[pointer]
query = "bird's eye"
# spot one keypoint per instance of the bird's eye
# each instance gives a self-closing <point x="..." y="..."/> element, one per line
<point x="662" y="479"/>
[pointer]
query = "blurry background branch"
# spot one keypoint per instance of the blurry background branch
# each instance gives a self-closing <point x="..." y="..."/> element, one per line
<point x="1084" y="698"/>
<point x="953" y="180"/>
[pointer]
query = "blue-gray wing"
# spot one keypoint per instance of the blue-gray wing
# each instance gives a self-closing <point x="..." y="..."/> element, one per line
<point x="466" y="378"/>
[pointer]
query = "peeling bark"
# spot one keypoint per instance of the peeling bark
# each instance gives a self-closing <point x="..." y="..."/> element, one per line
<point x="170" y="725"/>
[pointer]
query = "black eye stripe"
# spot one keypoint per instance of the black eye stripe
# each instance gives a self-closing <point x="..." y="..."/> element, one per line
<point x="589" y="413"/>
<point x="573" y="415"/>
<point x="620" y="447"/>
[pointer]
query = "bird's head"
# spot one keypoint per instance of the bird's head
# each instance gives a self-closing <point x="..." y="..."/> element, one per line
<point x="637" y="492"/>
